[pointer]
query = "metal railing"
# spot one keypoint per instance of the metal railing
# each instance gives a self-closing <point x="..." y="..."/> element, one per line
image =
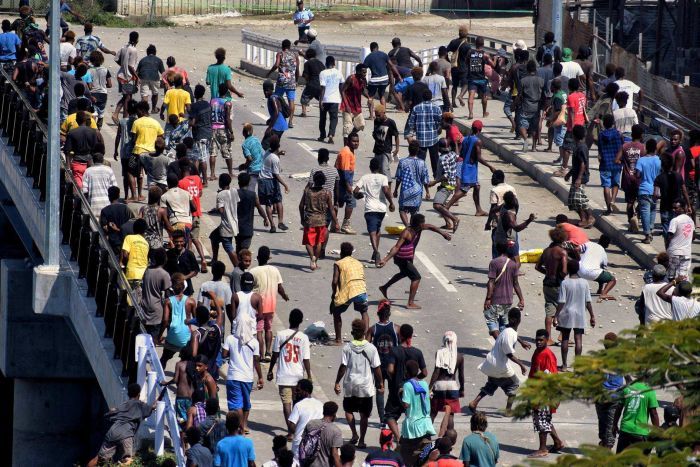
<point x="87" y="246"/>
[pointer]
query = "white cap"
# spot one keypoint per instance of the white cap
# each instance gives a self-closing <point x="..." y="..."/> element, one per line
<point x="311" y="32"/>
<point x="520" y="44"/>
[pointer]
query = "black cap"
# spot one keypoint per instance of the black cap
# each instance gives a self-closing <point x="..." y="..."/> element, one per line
<point x="247" y="281"/>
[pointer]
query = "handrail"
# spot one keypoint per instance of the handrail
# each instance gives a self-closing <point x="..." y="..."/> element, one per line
<point x="114" y="265"/>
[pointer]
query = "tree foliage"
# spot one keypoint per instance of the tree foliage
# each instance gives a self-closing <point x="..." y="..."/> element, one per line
<point x="665" y="355"/>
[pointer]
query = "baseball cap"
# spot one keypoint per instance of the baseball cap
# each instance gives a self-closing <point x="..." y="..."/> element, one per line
<point x="520" y="44"/>
<point x="478" y="125"/>
<point x="567" y="55"/>
<point x="383" y="304"/>
<point x="247" y="281"/>
<point x="311" y="32"/>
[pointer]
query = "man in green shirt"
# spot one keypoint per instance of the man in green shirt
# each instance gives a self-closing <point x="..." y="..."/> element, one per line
<point x="639" y="406"/>
<point x="219" y="73"/>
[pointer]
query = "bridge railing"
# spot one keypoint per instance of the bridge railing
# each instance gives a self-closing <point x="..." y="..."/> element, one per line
<point x="87" y="246"/>
<point x="261" y="49"/>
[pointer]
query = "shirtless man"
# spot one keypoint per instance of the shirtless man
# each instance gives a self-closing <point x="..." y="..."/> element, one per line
<point x="552" y="264"/>
<point x="184" y="384"/>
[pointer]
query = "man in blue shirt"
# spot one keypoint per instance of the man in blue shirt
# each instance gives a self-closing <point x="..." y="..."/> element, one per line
<point x="302" y="18"/>
<point x="234" y="450"/>
<point x="9" y="41"/>
<point x="424" y="124"/>
<point x="277" y="123"/>
<point x="647" y="168"/>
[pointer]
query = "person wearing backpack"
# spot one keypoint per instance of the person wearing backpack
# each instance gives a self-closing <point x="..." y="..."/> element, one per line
<point x="550" y="48"/>
<point x="321" y="441"/>
<point x="207" y="336"/>
<point x="279" y="111"/>
<point x="417" y="427"/>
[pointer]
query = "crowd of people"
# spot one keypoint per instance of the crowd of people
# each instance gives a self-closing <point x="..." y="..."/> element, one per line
<point x="226" y="322"/>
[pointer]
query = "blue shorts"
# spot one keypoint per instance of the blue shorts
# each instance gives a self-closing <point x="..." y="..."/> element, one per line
<point x="529" y="122"/>
<point x="269" y="191"/>
<point x="346" y="199"/>
<point x="479" y="85"/>
<point x="238" y="395"/>
<point x="227" y="244"/>
<point x="610" y="178"/>
<point x="374" y="221"/>
<point x="559" y="133"/>
<point x="401" y="86"/>
<point x="290" y="93"/>
<point x="409" y="209"/>
<point x="182" y="405"/>
<point x="359" y="302"/>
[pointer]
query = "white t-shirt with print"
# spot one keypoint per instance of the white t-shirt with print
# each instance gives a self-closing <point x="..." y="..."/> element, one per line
<point x="290" y="364"/>
<point x="371" y="186"/>
<point x="331" y="79"/>
<point x="681" y="228"/>
<point x="240" y="365"/>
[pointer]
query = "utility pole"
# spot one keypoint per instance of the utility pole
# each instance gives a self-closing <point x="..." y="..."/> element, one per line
<point x="53" y="156"/>
<point x="557" y="19"/>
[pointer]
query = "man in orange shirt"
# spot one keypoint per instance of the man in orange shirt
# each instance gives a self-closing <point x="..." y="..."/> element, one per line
<point x="193" y="185"/>
<point x="345" y="163"/>
<point x="577" y="235"/>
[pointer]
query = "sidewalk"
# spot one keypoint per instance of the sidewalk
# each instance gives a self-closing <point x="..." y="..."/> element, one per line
<point x="498" y="139"/>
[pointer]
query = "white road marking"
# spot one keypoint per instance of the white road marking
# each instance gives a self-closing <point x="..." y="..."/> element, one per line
<point x="307" y="148"/>
<point x="260" y="115"/>
<point x="109" y="130"/>
<point x="435" y="272"/>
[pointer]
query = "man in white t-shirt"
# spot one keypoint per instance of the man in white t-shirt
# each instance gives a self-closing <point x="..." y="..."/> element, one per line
<point x="574" y="299"/>
<point x="291" y="351"/>
<point x="496" y="366"/>
<point x="593" y="267"/>
<point x="625" y="85"/>
<point x="67" y="51"/>
<point x="243" y="358"/>
<point x="374" y="188"/>
<point x="306" y="409"/>
<point x="331" y="79"/>
<point x="221" y="289"/>
<point x="683" y="306"/>
<point x="438" y="86"/>
<point x="570" y="68"/>
<point x="680" y="244"/>
<point x="499" y="187"/>
<point x="655" y="308"/>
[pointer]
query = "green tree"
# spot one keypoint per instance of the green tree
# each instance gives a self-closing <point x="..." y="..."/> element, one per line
<point x="665" y="355"/>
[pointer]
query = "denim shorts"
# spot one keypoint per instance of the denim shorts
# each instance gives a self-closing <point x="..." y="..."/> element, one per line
<point x="529" y="122"/>
<point x="290" y="93"/>
<point x="227" y="244"/>
<point x="610" y="178"/>
<point x="497" y="317"/>
<point x="480" y="85"/>
<point x="559" y="133"/>
<point x="374" y="221"/>
<point x="359" y="303"/>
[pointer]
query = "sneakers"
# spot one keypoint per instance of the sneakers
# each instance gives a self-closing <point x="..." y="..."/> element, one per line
<point x="282" y="227"/>
<point x="346" y="229"/>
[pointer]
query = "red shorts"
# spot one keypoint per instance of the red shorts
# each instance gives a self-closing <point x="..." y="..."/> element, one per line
<point x="437" y="404"/>
<point x="264" y="323"/>
<point x="315" y="235"/>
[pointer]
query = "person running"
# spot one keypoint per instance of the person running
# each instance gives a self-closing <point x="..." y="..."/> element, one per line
<point x="345" y="163"/>
<point x="478" y="83"/>
<point x="349" y="287"/>
<point x="315" y="205"/>
<point x="411" y="178"/>
<point x="403" y="253"/>
<point x="447" y="382"/>
<point x="544" y="361"/>
<point x="269" y="183"/>
<point x="287" y="66"/>
<point x="574" y="300"/>
<point x="446" y="176"/>
<point x="360" y="370"/>
<point x="580" y="175"/>
<point x="469" y="175"/>
<point x="496" y="367"/>
<point x="382" y="75"/>
<point x="268" y="283"/>
<point x="375" y="188"/>
<point x="384" y="335"/>
<point x="354" y="88"/>
<point x="311" y="74"/>
<point x="276" y="107"/>
<point x="331" y="81"/>
<point x="628" y="157"/>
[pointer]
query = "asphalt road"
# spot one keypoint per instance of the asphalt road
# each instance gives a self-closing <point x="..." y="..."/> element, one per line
<point x="451" y="292"/>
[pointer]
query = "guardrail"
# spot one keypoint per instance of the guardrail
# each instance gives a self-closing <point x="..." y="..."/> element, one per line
<point x="261" y="50"/>
<point x="88" y="246"/>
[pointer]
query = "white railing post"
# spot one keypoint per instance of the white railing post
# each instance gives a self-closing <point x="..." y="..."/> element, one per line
<point x="248" y="50"/>
<point x="141" y="370"/>
<point x="153" y="387"/>
<point x="159" y="440"/>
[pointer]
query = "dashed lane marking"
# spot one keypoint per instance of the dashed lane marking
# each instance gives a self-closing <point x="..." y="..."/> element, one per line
<point x="435" y="272"/>
<point x="307" y="148"/>
<point x="260" y="115"/>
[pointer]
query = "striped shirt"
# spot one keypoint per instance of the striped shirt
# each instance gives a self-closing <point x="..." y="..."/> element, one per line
<point x="96" y="181"/>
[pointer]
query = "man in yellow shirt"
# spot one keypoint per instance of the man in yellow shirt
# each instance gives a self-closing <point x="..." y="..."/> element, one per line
<point x="69" y="123"/>
<point x="134" y="256"/>
<point x="146" y="130"/>
<point x="349" y="287"/>
<point x="176" y="101"/>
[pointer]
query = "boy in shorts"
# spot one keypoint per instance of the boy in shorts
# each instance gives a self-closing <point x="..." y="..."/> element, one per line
<point x="446" y="176"/>
<point x="349" y="287"/>
<point x="375" y="188"/>
<point x="268" y="283"/>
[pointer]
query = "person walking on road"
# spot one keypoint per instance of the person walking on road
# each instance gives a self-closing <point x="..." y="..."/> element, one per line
<point x="411" y="178"/>
<point x="384" y="335"/>
<point x="287" y="66"/>
<point x="349" y="287"/>
<point x="403" y="253"/>
<point x="316" y="203"/>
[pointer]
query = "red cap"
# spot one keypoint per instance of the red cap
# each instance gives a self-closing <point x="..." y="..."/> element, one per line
<point x="383" y="303"/>
<point x="478" y="125"/>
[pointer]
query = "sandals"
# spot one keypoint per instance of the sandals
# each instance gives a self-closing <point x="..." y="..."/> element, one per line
<point x="267" y="358"/>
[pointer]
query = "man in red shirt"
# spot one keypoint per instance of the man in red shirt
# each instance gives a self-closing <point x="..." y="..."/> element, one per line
<point x="577" y="235"/>
<point x="575" y="115"/>
<point x="351" y="104"/>
<point x="544" y="361"/>
<point x="193" y="185"/>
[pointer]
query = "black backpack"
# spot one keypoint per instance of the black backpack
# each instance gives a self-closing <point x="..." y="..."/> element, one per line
<point x="283" y="106"/>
